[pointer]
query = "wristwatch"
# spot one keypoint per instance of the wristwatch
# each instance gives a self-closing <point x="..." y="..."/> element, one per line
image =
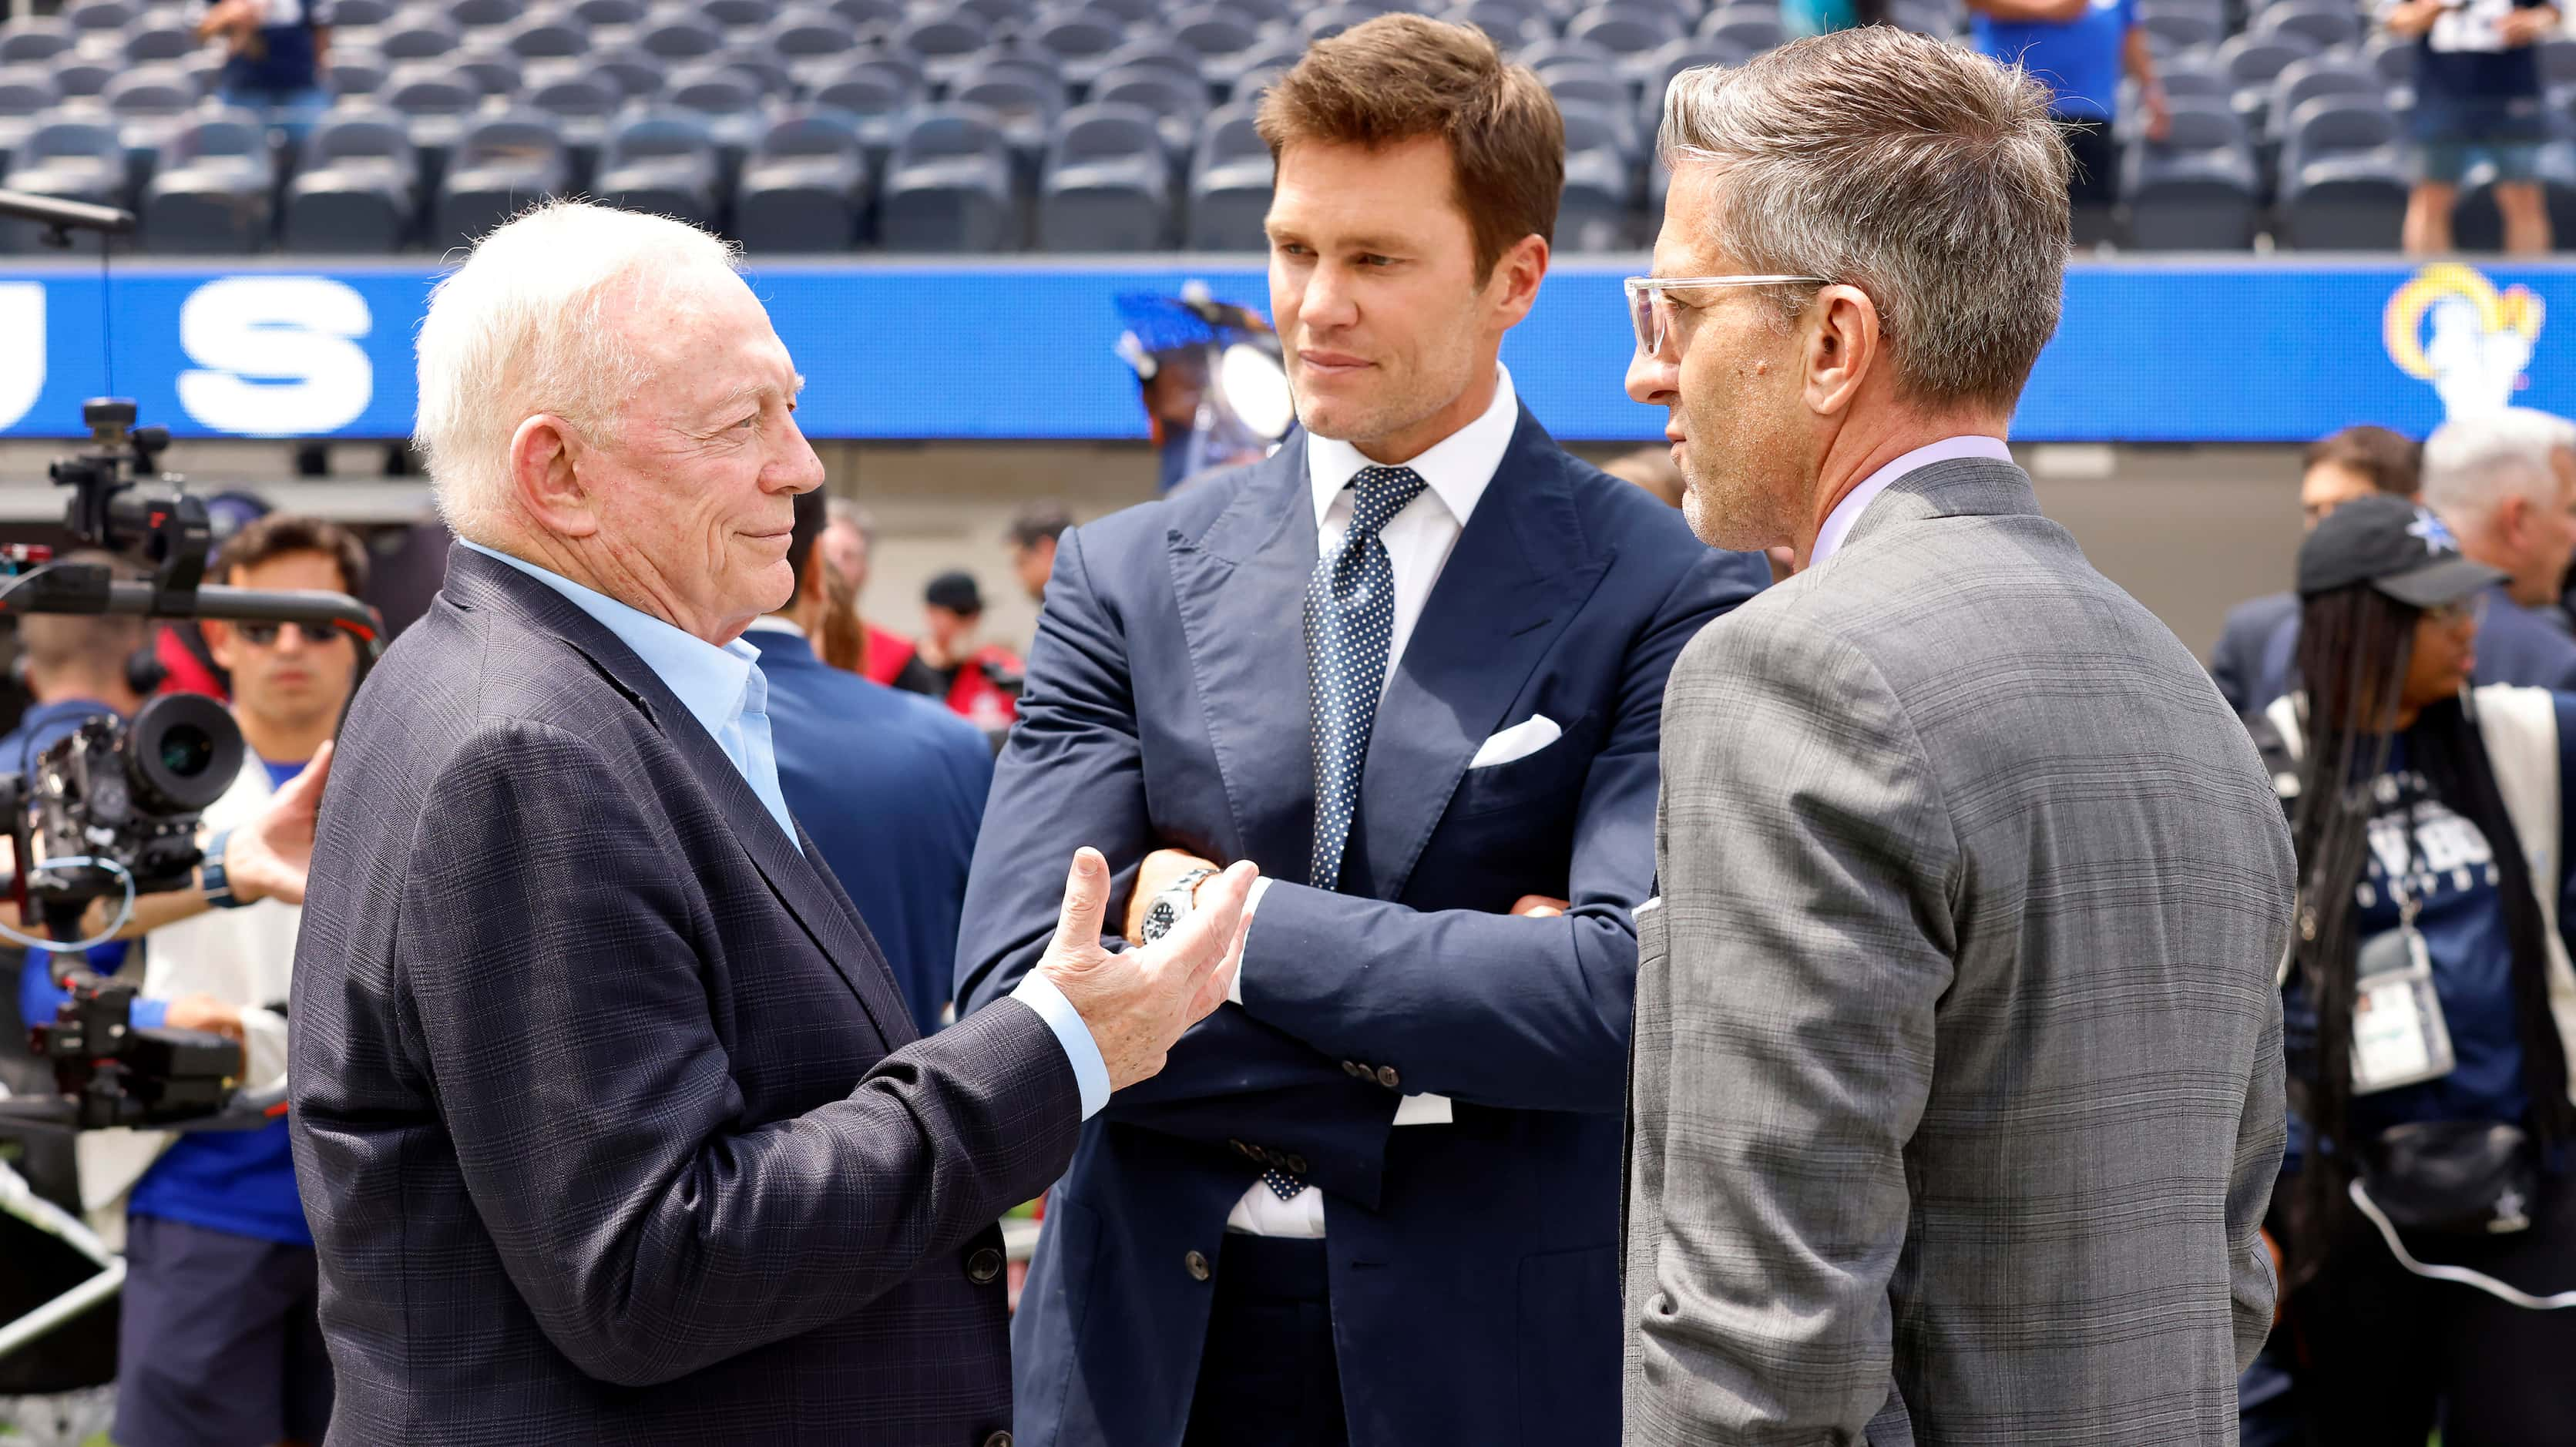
<point x="211" y="879"/>
<point x="1165" y="909"/>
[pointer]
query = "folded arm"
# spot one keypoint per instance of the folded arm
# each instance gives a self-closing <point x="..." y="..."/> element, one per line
<point x="550" y="963"/>
<point x="1807" y="867"/>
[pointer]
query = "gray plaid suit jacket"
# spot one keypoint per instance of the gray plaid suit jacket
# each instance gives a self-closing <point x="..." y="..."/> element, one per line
<point x="609" y="1118"/>
<point x="1956" y="1098"/>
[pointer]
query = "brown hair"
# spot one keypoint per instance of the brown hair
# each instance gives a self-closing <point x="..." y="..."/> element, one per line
<point x="1402" y="77"/>
<point x="280" y="533"/>
<point x="55" y="642"/>
<point x="2392" y="462"/>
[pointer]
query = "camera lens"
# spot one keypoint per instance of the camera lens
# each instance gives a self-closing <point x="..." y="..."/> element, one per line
<point x="181" y="753"/>
<point x="185" y="751"/>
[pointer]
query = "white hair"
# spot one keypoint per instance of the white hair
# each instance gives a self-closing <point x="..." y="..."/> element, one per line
<point x="525" y="327"/>
<point x="2474" y="463"/>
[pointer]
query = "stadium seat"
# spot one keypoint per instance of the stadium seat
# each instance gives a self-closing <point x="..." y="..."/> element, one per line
<point x="154" y="40"/>
<point x="72" y="158"/>
<point x="1630" y="35"/>
<point x="2187" y="26"/>
<point x="355" y="72"/>
<point x="2476" y="224"/>
<point x="1179" y="105"/>
<point x="637" y="73"/>
<point x="496" y="72"/>
<point x="1324" y="22"/>
<point x="2558" y="62"/>
<point x="2252" y="62"/>
<point x="711" y="88"/>
<point x="1607" y="94"/>
<point x="1600" y="201"/>
<point x="212" y="193"/>
<point x="27" y="95"/>
<point x="1158" y="53"/>
<point x="358" y="189"/>
<point x="1134" y="12"/>
<point x="2302" y="81"/>
<point x="2196" y="190"/>
<point x="1230" y="183"/>
<point x="944" y="44"/>
<point x="1079" y="43"/>
<point x="949" y="187"/>
<point x="82" y="77"/>
<point x="1225" y="43"/>
<point x="754" y="59"/>
<point x="2186" y="80"/>
<point x="1687" y="53"/>
<point x="2391" y="59"/>
<point x="813" y="44"/>
<point x="98" y="15"/>
<point x="502" y="166"/>
<point x="416" y="38"/>
<point x="2344" y="178"/>
<point x="431" y="88"/>
<point x="868" y="12"/>
<point x="739" y="14"/>
<point x="1511" y="24"/>
<point x="669" y="165"/>
<point x="2324" y="24"/>
<point x="1265" y="14"/>
<point x="677" y="37"/>
<point x="33" y="38"/>
<point x="352" y="14"/>
<point x="1107" y="184"/>
<point x="1746" y="27"/>
<point x="557" y="35"/>
<point x="805" y="186"/>
<point x="484" y="14"/>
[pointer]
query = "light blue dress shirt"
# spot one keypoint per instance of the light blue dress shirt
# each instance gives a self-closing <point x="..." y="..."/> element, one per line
<point x="723" y="688"/>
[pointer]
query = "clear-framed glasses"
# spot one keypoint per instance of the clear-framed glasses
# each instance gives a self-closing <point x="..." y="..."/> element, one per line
<point x="1651" y="312"/>
<point x="2466" y="612"/>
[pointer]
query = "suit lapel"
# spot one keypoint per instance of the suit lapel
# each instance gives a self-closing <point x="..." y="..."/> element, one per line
<point x="1520" y="571"/>
<point x="1240" y="591"/>
<point x="797" y="879"/>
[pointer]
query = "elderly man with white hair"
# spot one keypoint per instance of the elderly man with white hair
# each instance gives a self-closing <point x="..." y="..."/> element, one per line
<point x="2504" y="485"/>
<point x="611" y="1121"/>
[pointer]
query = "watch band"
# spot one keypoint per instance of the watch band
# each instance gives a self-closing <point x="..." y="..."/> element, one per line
<point x="211" y="878"/>
<point x="1167" y="907"/>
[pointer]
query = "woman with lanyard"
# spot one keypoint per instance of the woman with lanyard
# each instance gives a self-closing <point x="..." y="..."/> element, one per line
<point x="2430" y="1231"/>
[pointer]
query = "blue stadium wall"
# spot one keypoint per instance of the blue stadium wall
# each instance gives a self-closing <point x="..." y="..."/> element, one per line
<point x="2218" y="350"/>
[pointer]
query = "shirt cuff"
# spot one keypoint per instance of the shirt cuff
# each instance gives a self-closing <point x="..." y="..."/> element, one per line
<point x="1251" y="905"/>
<point x="150" y="1014"/>
<point x="1090" y="1072"/>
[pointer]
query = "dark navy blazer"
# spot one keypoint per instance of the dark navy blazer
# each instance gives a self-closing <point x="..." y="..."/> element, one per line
<point x="610" y="1123"/>
<point x="1474" y="1279"/>
<point x="891" y="785"/>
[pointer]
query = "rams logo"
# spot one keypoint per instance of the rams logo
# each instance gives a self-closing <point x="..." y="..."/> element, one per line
<point x="2450" y="326"/>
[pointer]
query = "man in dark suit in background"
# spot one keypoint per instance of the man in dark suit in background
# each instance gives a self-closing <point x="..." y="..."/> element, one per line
<point x="610" y="1122"/>
<point x="1412" y="665"/>
<point x="890" y="784"/>
<point x="2355" y="462"/>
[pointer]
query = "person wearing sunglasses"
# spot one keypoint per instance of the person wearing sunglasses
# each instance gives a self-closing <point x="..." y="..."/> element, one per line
<point x="1956" y="1092"/>
<point x="220" y="1339"/>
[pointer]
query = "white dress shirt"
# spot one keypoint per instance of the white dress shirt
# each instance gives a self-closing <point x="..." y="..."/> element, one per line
<point x="1455" y="472"/>
<point x="1838" y="523"/>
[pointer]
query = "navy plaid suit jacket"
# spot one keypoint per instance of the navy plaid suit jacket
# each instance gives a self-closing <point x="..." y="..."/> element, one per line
<point x="611" y="1123"/>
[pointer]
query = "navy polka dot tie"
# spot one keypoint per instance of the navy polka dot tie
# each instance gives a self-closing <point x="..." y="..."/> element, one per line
<point x="1350" y="612"/>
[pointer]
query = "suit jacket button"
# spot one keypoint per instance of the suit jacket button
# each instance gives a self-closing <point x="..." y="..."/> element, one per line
<point x="984" y="1266"/>
<point x="998" y="1439"/>
<point x="1354" y="1069"/>
<point x="1386" y="1076"/>
<point x="1197" y="1266"/>
<point x="1296" y="1165"/>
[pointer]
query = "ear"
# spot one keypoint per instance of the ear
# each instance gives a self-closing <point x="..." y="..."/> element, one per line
<point x="1514" y="284"/>
<point x="1842" y="348"/>
<point x="2513" y="519"/>
<point x="545" y="476"/>
<point x="219" y="643"/>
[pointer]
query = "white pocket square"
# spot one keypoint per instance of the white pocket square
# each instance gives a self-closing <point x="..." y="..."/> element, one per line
<point x="1517" y="742"/>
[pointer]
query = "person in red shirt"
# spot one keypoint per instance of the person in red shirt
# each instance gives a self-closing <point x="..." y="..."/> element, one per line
<point x="980" y="681"/>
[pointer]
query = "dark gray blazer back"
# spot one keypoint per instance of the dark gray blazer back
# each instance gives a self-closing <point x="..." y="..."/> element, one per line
<point x="610" y="1121"/>
<point x="1958" y="1093"/>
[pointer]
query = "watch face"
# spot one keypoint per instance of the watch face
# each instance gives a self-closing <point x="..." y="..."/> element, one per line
<point x="1159" y="919"/>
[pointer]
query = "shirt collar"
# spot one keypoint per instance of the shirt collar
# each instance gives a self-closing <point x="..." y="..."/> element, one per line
<point x="773" y="623"/>
<point x="710" y="682"/>
<point x="1456" y="469"/>
<point x="1838" y="523"/>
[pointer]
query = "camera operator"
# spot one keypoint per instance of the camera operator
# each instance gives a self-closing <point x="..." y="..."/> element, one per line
<point x="220" y="1342"/>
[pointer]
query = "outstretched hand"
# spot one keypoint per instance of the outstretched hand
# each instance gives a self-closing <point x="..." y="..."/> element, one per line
<point x="1137" y="1003"/>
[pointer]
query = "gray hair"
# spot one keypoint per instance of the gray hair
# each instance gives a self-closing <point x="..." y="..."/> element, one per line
<point x="1926" y="175"/>
<point x="2473" y="463"/>
<point x="842" y="511"/>
<point x="531" y="324"/>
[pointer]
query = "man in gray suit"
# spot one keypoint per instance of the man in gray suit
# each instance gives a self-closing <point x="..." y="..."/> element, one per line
<point x="1956" y="1098"/>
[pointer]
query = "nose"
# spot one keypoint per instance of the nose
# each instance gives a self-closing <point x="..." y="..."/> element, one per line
<point x="1327" y="301"/>
<point x="794" y="467"/>
<point x="1653" y="379"/>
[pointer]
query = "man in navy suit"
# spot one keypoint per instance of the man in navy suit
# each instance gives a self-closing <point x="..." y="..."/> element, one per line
<point x="609" y="1121"/>
<point x="1413" y="666"/>
<point x="890" y="784"/>
<point x="2343" y="465"/>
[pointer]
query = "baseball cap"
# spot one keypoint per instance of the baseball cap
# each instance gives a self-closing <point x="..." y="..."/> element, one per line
<point x="955" y="592"/>
<point x="2394" y="545"/>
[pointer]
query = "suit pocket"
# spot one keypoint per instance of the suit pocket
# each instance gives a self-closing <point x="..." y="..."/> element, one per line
<point x="1569" y="1348"/>
<point x="1543" y="782"/>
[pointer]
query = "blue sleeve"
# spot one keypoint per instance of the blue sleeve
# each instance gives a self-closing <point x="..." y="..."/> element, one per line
<point x="1090" y="1072"/>
<point x="39" y="997"/>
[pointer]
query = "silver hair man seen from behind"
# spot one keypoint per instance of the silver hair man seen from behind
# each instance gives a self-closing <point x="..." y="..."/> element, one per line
<point x="1957" y="1086"/>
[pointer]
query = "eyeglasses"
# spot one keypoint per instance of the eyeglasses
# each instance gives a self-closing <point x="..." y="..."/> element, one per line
<point x="1651" y="312"/>
<point x="2471" y="610"/>
<point x="261" y="635"/>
